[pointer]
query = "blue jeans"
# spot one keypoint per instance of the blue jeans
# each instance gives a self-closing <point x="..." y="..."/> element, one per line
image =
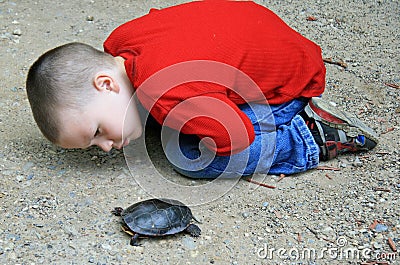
<point x="283" y="144"/>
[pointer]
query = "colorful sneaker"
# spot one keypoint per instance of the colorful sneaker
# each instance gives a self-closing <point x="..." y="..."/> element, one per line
<point x="336" y="131"/>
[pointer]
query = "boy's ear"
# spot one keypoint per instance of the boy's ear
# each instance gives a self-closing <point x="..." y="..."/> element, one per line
<point x="104" y="81"/>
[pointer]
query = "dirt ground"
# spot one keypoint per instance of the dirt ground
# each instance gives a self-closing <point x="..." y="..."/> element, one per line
<point x="56" y="204"/>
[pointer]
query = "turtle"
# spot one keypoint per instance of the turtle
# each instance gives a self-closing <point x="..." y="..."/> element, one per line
<point x="156" y="217"/>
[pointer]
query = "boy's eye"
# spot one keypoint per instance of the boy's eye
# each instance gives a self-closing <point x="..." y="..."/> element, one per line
<point x="97" y="132"/>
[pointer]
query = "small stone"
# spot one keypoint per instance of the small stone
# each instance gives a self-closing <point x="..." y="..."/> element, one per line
<point x="189" y="243"/>
<point x="364" y="246"/>
<point x="27" y="166"/>
<point x="112" y="252"/>
<point x="245" y="214"/>
<point x="377" y="245"/>
<point x="351" y="233"/>
<point x="20" y="178"/>
<point x="70" y="230"/>
<point x="89" y="18"/>
<point x="265" y="204"/>
<point x="91" y="260"/>
<point x="327" y="229"/>
<point x="381" y="228"/>
<point x="12" y="256"/>
<point x="17" y="32"/>
<point x="357" y="162"/>
<point x="138" y="249"/>
<point x="106" y="246"/>
<point x="194" y="254"/>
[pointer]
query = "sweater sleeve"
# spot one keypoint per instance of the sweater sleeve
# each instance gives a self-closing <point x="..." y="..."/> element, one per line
<point x="214" y="118"/>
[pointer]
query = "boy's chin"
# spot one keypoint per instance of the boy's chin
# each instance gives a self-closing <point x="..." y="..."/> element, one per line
<point x="130" y="138"/>
<point x="135" y="135"/>
<point x="126" y="142"/>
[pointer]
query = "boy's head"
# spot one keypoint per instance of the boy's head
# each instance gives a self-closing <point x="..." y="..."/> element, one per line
<point x="79" y="96"/>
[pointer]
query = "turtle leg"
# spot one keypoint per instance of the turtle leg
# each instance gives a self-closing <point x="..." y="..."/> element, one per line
<point x="134" y="236"/>
<point x="134" y="240"/>
<point x="193" y="230"/>
<point x="117" y="211"/>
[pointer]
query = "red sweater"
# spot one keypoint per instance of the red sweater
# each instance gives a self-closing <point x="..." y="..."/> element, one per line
<point x="192" y="64"/>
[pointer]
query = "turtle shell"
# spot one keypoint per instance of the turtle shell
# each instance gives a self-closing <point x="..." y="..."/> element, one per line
<point x="157" y="217"/>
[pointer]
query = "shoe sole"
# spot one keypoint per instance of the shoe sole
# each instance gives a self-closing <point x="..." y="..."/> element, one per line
<point x="352" y="125"/>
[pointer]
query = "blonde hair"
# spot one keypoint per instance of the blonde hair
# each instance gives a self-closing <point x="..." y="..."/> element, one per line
<point x="63" y="78"/>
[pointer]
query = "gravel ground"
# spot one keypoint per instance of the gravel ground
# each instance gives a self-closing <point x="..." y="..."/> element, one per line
<point x="55" y="204"/>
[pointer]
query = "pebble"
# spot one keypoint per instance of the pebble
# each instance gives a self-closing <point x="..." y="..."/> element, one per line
<point x="351" y="233"/>
<point x="381" y="228"/>
<point x="7" y="172"/>
<point x="188" y="243"/>
<point x="357" y="162"/>
<point x="377" y="245"/>
<point x="265" y="204"/>
<point x="17" y="32"/>
<point x="71" y="231"/>
<point x="106" y="246"/>
<point x="20" y="178"/>
<point x="139" y="249"/>
<point x="245" y="214"/>
<point x="227" y="241"/>
<point x="12" y="255"/>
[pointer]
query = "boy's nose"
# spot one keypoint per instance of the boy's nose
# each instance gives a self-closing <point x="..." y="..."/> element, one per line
<point x="105" y="145"/>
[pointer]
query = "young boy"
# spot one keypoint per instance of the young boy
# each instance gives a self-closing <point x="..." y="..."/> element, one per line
<point x="236" y="87"/>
